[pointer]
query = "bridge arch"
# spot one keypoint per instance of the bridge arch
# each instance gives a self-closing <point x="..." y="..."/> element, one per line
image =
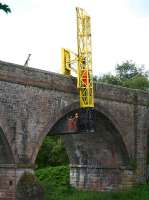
<point x="101" y="154"/>
<point x="107" y="116"/>
<point x="75" y="106"/>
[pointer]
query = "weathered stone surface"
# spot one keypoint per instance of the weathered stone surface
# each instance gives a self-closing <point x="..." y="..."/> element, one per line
<point x="101" y="179"/>
<point x="34" y="102"/>
<point x="7" y="182"/>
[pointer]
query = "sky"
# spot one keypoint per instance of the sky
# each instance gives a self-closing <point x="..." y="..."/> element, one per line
<point x="120" y="32"/>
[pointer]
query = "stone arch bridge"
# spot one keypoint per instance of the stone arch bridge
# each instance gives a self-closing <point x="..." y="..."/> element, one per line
<point x="34" y="102"/>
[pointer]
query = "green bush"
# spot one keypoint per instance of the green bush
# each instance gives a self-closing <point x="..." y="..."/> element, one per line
<point x="52" y="153"/>
<point x="57" y="176"/>
<point x="29" y="188"/>
<point x="55" y="181"/>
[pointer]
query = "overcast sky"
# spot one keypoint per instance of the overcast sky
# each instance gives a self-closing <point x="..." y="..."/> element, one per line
<point x="120" y="31"/>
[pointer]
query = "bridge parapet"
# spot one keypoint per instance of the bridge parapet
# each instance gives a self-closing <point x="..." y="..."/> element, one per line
<point x="52" y="81"/>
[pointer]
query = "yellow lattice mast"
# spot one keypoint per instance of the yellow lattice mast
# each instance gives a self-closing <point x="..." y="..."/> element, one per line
<point x="85" y="77"/>
<point x="83" y="60"/>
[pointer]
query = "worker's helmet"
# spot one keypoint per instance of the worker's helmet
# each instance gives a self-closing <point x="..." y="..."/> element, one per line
<point x="76" y="115"/>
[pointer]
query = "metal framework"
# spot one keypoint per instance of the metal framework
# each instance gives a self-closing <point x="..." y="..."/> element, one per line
<point x="66" y="66"/>
<point x="83" y="60"/>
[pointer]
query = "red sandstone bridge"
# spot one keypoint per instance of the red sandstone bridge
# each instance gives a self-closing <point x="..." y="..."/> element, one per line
<point x="33" y="103"/>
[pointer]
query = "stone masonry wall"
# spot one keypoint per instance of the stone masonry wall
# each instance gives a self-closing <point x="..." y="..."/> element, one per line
<point x="7" y="183"/>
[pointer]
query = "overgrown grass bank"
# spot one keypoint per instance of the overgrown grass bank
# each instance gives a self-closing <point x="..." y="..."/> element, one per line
<point x="55" y="181"/>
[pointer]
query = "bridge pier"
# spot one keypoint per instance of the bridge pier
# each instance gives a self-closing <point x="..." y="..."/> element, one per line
<point x="9" y="178"/>
<point x="101" y="179"/>
<point x="7" y="182"/>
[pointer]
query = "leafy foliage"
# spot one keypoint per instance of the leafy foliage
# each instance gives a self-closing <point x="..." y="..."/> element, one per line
<point x="58" y="176"/>
<point x="52" y="153"/>
<point x="137" y="82"/>
<point x="127" y="75"/>
<point x="55" y="181"/>
<point x="110" y="79"/>
<point x="127" y="70"/>
<point x="5" y="8"/>
<point x="29" y="188"/>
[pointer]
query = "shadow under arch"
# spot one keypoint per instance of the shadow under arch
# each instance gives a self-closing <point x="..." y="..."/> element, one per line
<point x="76" y="106"/>
<point x="6" y="156"/>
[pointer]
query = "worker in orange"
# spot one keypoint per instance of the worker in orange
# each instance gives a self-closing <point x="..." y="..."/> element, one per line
<point x="70" y="124"/>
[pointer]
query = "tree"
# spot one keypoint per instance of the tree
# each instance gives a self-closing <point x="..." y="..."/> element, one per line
<point x="29" y="188"/>
<point x="127" y="75"/>
<point x="52" y="153"/>
<point x="137" y="82"/>
<point x="126" y="70"/>
<point x="110" y="79"/>
<point x="5" y="8"/>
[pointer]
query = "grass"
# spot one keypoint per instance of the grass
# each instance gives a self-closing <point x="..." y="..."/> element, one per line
<point x="55" y="181"/>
